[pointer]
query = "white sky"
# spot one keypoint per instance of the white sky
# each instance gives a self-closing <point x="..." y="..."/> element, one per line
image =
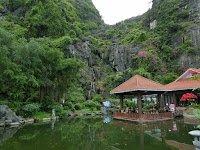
<point x="113" y="11"/>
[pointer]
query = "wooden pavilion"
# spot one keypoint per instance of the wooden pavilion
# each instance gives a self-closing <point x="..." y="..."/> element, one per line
<point x="170" y="93"/>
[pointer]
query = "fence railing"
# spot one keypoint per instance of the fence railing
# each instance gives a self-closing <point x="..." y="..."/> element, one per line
<point x="135" y="116"/>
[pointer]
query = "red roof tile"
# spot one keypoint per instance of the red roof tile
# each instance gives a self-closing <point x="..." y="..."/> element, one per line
<point x="137" y="83"/>
<point x="187" y="72"/>
<point x="182" y="84"/>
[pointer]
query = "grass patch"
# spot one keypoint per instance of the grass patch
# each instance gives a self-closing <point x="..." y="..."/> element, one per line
<point x="87" y="110"/>
<point x="41" y="115"/>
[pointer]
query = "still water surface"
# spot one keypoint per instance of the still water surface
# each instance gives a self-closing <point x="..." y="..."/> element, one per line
<point x="93" y="134"/>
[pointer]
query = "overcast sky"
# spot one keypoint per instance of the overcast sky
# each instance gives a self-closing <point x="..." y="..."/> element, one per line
<point x="113" y="11"/>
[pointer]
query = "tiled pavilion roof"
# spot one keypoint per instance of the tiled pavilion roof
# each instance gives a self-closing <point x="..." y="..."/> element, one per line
<point x="139" y="83"/>
<point x="182" y="84"/>
<point x="185" y="81"/>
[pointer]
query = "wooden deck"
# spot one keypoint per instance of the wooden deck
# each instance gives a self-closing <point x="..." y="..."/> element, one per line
<point x="142" y="117"/>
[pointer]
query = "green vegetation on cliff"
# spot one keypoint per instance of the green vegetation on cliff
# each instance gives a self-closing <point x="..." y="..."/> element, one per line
<point x="39" y="38"/>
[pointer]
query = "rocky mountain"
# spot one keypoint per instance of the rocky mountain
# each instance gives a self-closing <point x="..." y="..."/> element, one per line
<point x="159" y="44"/>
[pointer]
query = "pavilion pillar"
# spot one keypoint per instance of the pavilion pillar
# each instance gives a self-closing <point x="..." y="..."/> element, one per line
<point x="174" y="99"/>
<point x="121" y="102"/>
<point x="160" y="101"/>
<point x="163" y="100"/>
<point x="139" y="102"/>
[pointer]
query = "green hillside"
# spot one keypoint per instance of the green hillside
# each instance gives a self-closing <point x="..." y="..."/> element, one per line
<point x="53" y="49"/>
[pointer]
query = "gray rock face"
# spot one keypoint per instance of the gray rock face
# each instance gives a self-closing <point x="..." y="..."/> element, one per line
<point x="81" y="50"/>
<point x="195" y="35"/>
<point x="176" y="40"/>
<point x="185" y="60"/>
<point x="120" y="56"/>
<point x="7" y="115"/>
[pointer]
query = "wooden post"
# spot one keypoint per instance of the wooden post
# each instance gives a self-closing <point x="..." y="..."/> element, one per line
<point x="163" y="100"/>
<point x="174" y="99"/>
<point x="121" y="102"/>
<point x="139" y="102"/>
<point x="160" y="101"/>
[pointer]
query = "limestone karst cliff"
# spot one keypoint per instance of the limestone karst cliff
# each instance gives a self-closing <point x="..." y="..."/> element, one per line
<point x="164" y="40"/>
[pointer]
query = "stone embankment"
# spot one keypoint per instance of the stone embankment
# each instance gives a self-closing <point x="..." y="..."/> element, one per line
<point x="9" y="118"/>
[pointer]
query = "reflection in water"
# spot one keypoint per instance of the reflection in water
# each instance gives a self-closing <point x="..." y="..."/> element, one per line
<point x="174" y="126"/>
<point x="92" y="133"/>
<point x="52" y="124"/>
<point x="6" y="133"/>
<point x="106" y="119"/>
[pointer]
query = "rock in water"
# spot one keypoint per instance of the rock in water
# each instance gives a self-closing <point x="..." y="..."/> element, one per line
<point x="7" y="114"/>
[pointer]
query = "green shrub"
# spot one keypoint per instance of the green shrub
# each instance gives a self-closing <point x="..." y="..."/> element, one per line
<point x="66" y="108"/>
<point x="46" y="103"/>
<point x="89" y="104"/>
<point x="151" y="105"/>
<point x="77" y="106"/>
<point x="69" y="104"/>
<point x="72" y="33"/>
<point x="29" y="109"/>
<point x="130" y="104"/>
<point x="115" y="102"/>
<point x="144" y="108"/>
<point x="98" y="106"/>
<point x="97" y="98"/>
<point x="92" y="108"/>
<point x="183" y="14"/>
<point x="59" y="111"/>
<point x="73" y="109"/>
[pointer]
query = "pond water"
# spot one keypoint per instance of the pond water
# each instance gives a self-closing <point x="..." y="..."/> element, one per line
<point x="91" y="133"/>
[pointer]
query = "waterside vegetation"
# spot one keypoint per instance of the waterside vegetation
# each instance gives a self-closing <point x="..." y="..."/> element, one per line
<point x="39" y="70"/>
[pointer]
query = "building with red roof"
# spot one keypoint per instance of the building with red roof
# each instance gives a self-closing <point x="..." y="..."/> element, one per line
<point x="170" y="93"/>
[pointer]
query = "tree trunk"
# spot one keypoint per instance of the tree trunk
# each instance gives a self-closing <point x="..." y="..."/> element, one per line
<point x="41" y="93"/>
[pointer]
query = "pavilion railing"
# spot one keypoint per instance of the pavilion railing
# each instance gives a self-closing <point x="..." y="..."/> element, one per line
<point x="135" y="116"/>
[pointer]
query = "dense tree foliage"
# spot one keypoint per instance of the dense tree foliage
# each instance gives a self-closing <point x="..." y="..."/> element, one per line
<point x="36" y="65"/>
<point x="32" y="70"/>
<point x="33" y="36"/>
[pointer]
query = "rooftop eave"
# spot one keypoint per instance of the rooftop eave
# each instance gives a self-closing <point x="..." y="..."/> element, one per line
<point x="150" y="90"/>
<point x="133" y="90"/>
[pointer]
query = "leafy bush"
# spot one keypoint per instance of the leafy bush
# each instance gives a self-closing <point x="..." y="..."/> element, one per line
<point x="46" y="103"/>
<point x="98" y="106"/>
<point x="69" y="104"/>
<point x="29" y="109"/>
<point x="73" y="109"/>
<point x="97" y="98"/>
<point x="72" y="33"/>
<point x="89" y="104"/>
<point x="151" y="105"/>
<point x="130" y="104"/>
<point x="115" y="102"/>
<point x="77" y="106"/>
<point x="59" y="111"/>
<point x="66" y="108"/>
<point x="92" y="108"/>
<point x="183" y="14"/>
<point x="61" y="42"/>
